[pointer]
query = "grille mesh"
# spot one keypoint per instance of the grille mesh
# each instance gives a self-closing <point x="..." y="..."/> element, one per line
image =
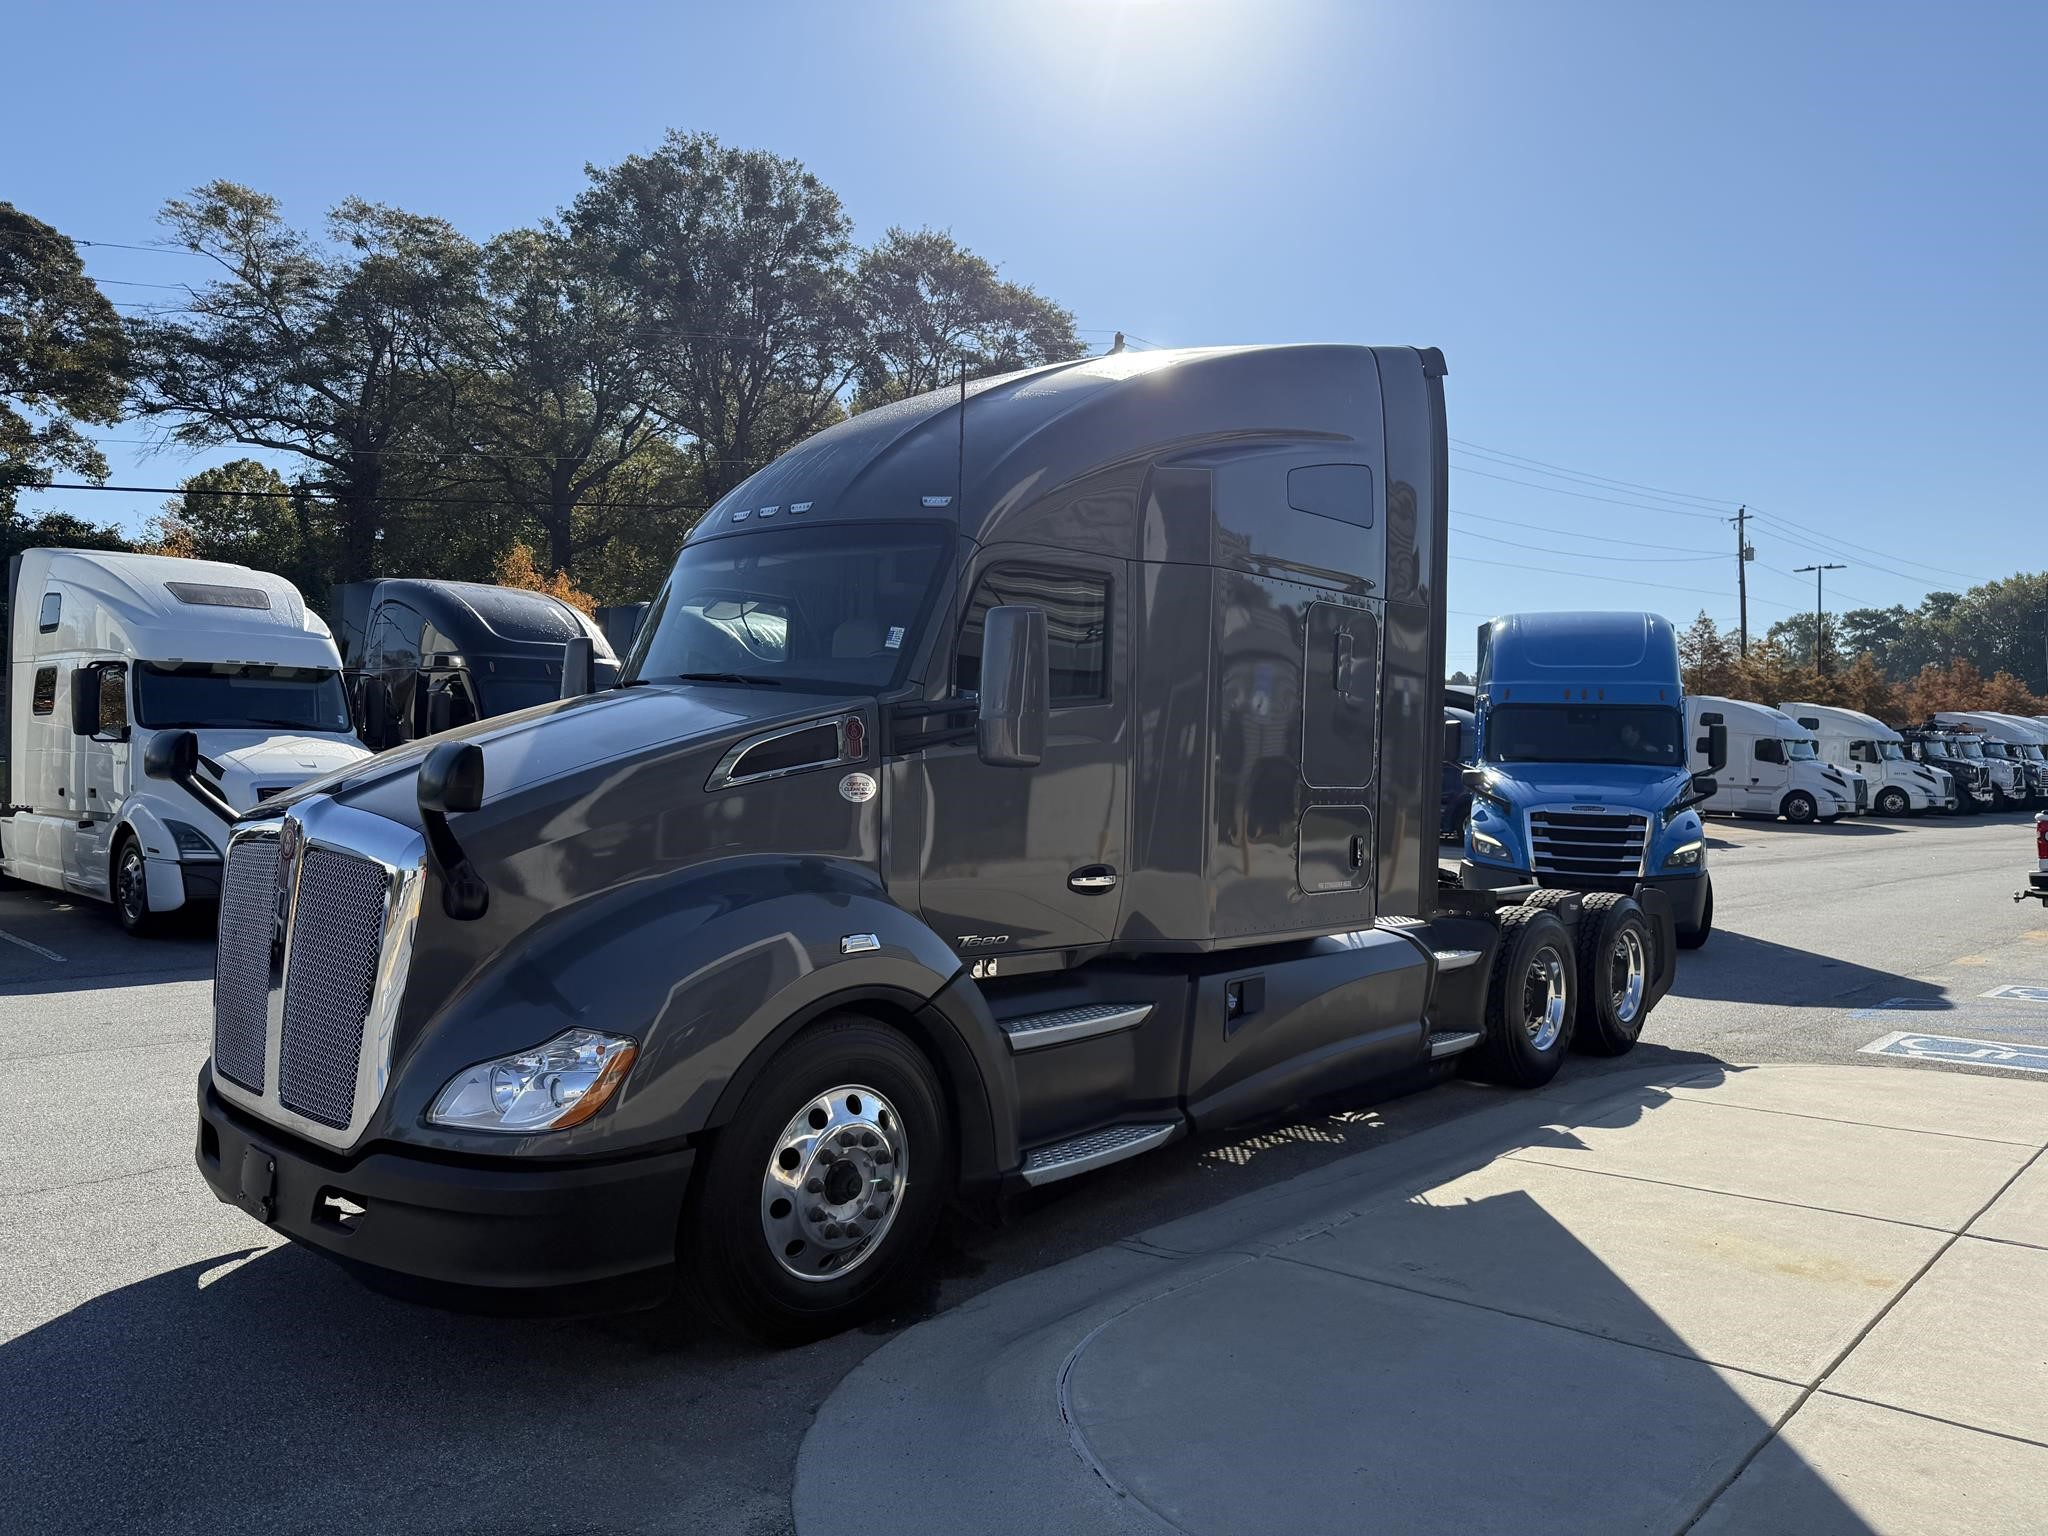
<point x="241" y="973"/>
<point x="337" y="929"/>
<point x="1587" y="842"/>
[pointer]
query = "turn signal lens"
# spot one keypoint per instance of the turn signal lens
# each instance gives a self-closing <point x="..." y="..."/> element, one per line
<point x="548" y="1088"/>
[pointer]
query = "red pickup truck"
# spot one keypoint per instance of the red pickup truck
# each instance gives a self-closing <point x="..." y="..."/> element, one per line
<point x="2037" y="883"/>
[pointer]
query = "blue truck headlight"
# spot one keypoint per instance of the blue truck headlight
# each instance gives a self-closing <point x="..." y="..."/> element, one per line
<point x="1686" y="855"/>
<point x="192" y="843"/>
<point x="548" y="1088"/>
<point x="1491" y="846"/>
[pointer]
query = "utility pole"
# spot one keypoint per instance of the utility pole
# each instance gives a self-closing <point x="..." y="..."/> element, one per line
<point x="1743" y="555"/>
<point x="1820" y="655"/>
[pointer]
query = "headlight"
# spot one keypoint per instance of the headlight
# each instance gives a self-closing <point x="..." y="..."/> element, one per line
<point x="1481" y="843"/>
<point x="548" y="1088"/>
<point x="1686" y="855"/>
<point x="192" y="841"/>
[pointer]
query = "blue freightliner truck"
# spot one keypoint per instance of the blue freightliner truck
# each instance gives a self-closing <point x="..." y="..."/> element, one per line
<point x="1582" y="777"/>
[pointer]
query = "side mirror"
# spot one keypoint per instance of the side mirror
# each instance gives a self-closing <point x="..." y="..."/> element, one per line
<point x="85" y="701"/>
<point x="1704" y="785"/>
<point x="172" y="755"/>
<point x="1454" y="742"/>
<point x="1015" y="687"/>
<point x="440" y="711"/>
<point x="452" y="778"/>
<point x="578" y="656"/>
<point x="1717" y="748"/>
<point x="376" y="713"/>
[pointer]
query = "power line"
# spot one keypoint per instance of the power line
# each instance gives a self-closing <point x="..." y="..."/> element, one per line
<point x="156" y="250"/>
<point x="312" y="495"/>
<point x="1558" y="490"/>
<point x="1586" y="474"/>
<point x="1572" y="533"/>
<point x="1581" y="555"/>
<point x="1597" y="482"/>
<point x="1627" y="581"/>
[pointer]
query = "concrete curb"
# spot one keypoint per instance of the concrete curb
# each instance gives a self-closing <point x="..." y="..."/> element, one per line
<point x="959" y="1425"/>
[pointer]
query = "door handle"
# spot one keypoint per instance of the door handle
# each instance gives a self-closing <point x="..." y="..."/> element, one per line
<point x="1092" y="877"/>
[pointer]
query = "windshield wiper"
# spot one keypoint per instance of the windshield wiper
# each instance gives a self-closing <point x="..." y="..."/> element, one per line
<point x="747" y="678"/>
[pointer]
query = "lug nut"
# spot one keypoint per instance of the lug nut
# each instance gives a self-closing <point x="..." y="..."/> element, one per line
<point x="831" y="1229"/>
<point x="816" y="1186"/>
<point x="872" y="1213"/>
<point x="870" y="1139"/>
<point x="815" y="1213"/>
<point x="884" y="1155"/>
<point x="848" y="1137"/>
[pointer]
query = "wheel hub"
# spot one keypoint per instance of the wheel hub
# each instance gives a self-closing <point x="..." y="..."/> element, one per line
<point x="1629" y="970"/>
<point x="834" y="1183"/>
<point x="1544" y="993"/>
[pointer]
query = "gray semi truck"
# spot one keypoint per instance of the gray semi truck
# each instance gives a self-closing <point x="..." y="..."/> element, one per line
<point x="1005" y="783"/>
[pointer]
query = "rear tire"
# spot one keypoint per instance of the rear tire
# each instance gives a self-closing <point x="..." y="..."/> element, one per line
<point x="1617" y="959"/>
<point x="1799" y="808"/>
<point x="784" y="1270"/>
<point x="1528" y="1001"/>
<point x="129" y="886"/>
<point x="1893" y="801"/>
<point x="1693" y="938"/>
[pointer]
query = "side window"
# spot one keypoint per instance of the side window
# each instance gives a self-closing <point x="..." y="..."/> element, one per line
<point x="53" y="607"/>
<point x="1076" y="605"/>
<point x="1770" y="750"/>
<point x="1862" y="752"/>
<point x="1342" y="491"/>
<point x="113" y="701"/>
<point x="45" y="699"/>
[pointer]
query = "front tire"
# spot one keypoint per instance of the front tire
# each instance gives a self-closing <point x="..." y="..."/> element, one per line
<point x="1617" y="957"/>
<point x="1799" y="808"/>
<point x="130" y="890"/>
<point x="818" y="1199"/>
<point x="1893" y="801"/>
<point x="1529" y="1000"/>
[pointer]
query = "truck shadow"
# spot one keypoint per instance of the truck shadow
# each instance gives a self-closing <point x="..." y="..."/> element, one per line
<point x="1738" y="968"/>
<point x="266" y="1385"/>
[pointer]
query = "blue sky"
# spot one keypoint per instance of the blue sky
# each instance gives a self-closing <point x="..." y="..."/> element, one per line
<point x="1783" y="254"/>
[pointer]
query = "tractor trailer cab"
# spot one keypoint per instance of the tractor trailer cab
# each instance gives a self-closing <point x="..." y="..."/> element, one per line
<point x="1858" y="743"/>
<point x="111" y="657"/>
<point x="1773" y="767"/>
<point x="1582" y="778"/>
<point x="1005" y="782"/>
<point x="2018" y="777"/>
<point x="1948" y="751"/>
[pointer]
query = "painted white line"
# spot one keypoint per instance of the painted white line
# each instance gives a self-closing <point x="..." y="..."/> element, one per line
<point x="47" y="954"/>
<point x="2019" y="994"/>
<point x="1960" y="1050"/>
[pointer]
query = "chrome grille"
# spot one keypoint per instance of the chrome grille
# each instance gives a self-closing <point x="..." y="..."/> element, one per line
<point x="1862" y="794"/>
<point x="1588" y="843"/>
<point x="337" y="932"/>
<point x="241" y="972"/>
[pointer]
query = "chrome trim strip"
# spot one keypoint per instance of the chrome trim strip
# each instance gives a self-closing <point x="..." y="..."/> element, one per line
<point x="723" y="777"/>
<point x="1034" y="1032"/>
<point x="1455" y="959"/>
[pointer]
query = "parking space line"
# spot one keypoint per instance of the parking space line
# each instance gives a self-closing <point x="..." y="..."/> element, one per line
<point x="47" y="954"/>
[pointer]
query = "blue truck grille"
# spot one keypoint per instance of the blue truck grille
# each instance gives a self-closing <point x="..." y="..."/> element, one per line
<point x="241" y="973"/>
<point x="331" y="972"/>
<point x="1588" y="844"/>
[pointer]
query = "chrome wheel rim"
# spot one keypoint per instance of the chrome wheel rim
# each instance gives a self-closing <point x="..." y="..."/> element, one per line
<point x="1630" y="967"/>
<point x="834" y="1183"/>
<point x="1543" y="999"/>
<point x="131" y="878"/>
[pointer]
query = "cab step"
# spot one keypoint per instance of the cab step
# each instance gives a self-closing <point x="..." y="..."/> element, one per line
<point x="1456" y="959"/>
<point x="1097" y="1149"/>
<point x="1441" y="1046"/>
<point x="1035" y="1031"/>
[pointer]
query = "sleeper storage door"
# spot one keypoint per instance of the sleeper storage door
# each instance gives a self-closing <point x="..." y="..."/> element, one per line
<point x="1020" y="859"/>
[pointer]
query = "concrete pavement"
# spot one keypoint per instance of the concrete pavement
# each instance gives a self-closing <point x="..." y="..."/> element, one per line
<point x="1777" y="1299"/>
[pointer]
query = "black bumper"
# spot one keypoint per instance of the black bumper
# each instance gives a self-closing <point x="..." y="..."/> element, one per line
<point x="1686" y="893"/>
<point x="498" y="1236"/>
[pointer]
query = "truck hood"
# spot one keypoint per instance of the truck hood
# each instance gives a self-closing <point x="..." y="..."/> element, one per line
<point x="566" y="736"/>
<point x="1617" y="784"/>
<point x="244" y="764"/>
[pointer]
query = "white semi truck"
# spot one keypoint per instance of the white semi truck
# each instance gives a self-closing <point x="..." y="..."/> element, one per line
<point x="1773" y="767"/>
<point x="108" y="652"/>
<point x="1864" y="744"/>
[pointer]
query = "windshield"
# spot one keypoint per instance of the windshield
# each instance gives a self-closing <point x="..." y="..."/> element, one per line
<point x="1799" y="749"/>
<point x="226" y="696"/>
<point x="1595" y="733"/>
<point x="1995" y="749"/>
<point x="1968" y="749"/>
<point x="1891" y="752"/>
<point x="812" y="606"/>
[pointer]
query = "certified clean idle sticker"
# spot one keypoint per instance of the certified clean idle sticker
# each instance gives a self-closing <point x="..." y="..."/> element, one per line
<point x="857" y="787"/>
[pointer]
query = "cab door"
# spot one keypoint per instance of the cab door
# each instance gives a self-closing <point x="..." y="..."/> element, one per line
<point x="101" y="767"/>
<point x="1768" y="773"/>
<point x="1015" y="859"/>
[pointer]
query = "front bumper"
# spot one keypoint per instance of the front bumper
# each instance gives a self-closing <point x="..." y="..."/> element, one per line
<point x="1686" y="893"/>
<point x="493" y="1235"/>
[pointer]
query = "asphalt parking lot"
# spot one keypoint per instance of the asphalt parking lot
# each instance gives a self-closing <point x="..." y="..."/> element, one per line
<point x="164" y="1366"/>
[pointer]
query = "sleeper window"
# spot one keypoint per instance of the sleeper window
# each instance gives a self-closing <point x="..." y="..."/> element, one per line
<point x="45" y="700"/>
<point x="1076" y="608"/>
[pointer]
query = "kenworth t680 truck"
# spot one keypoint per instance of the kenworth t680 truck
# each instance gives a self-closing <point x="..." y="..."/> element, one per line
<point x="1005" y="783"/>
<point x="1583" y="779"/>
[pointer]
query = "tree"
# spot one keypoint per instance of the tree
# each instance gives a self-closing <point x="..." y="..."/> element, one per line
<point x="63" y="358"/>
<point x="244" y="511"/>
<point x="1863" y="685"/>
<point x="326" y="354"/>
<point x="928" y="307"/>
<point x="516" y="569"/>
<point x="1706" y="659"/>
<point x="556" y="385"/>
<point x="737" y="264"/>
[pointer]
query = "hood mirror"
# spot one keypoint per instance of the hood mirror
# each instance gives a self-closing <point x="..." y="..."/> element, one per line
<point x="1015" y="687"/>
<point x="578" y="667"/>
<point x="452" y="780"/>
<point x="1705" y="785"/>
<point x="173" y="756"/>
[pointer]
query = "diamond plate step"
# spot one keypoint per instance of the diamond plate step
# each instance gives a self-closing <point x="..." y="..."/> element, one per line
<point x="1035" y="1031"/>
<point x="1450" y="1045"/>
<point x="1097" y="1149"/>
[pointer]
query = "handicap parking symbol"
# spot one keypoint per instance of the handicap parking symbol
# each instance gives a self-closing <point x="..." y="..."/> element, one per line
<point x="2019" y="994"/>
<point x="1961" y="1051"/>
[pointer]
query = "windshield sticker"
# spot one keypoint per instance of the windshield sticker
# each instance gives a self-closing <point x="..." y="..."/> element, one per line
<point x="895" y="640"/>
